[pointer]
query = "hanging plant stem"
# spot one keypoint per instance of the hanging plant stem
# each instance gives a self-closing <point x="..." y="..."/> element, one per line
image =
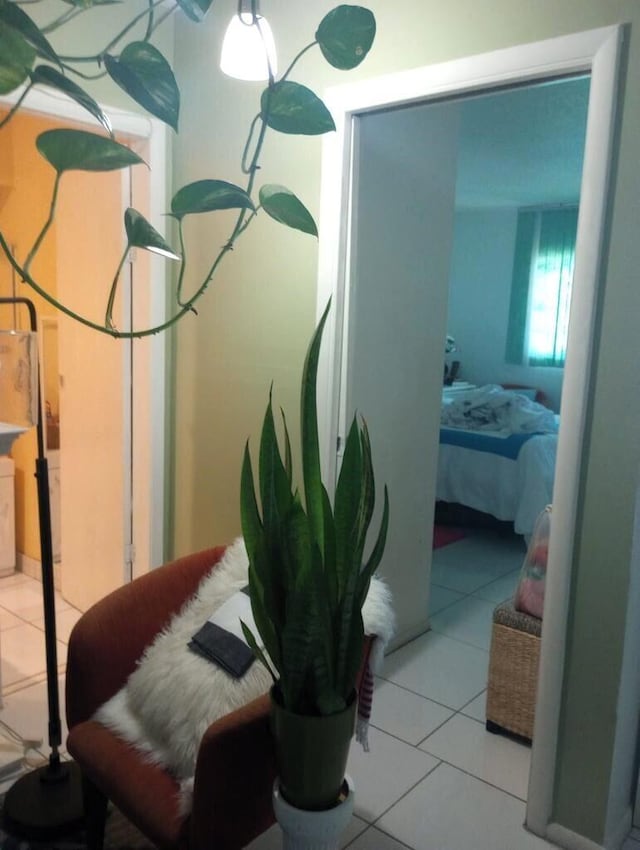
<point x="52" y="211"/>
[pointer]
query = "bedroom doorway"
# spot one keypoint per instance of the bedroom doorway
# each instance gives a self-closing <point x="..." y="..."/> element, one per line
<point x="348" y="380"/>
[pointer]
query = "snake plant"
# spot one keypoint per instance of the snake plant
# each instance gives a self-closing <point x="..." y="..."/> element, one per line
<point x="308" y="575"/>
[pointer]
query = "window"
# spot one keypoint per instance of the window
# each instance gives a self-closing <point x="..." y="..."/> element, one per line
<point x="541" y="286"/>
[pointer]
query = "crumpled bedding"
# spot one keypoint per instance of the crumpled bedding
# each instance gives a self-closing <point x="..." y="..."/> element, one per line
<point x="492" y="408"/>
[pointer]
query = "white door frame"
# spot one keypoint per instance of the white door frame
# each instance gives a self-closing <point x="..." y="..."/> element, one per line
<point x="58" y="105"/>
<point x="597" y="52"/>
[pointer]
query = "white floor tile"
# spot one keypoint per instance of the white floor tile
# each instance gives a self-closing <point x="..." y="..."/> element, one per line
<point x="468" y="620"/>
<point x="404" y="714"/>
<point x="498" y="760"/>
<point x="8" y="620"/>
<point x="373" y="839"/>
<point x="441" y="597"/>
<point x="23" y="653"/>
<point x="439" y="668"/>
<point x="501" y="589"/>
<point x="476" y="561"/>
<point x="23" y="599"/>
<point x="14" y="578"/>
<point x="631" y="844"/>
<point x="65" y="621"/>
<point x="477" y="708"/>
<point x="385" y="773"/>
<point x="450" y="810"/>
<point x="26" y="712"/>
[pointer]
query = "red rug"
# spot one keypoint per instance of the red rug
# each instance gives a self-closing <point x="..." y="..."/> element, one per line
<point x="443" y="535"/>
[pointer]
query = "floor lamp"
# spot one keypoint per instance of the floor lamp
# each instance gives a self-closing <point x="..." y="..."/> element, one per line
<point x="47" y="801"/>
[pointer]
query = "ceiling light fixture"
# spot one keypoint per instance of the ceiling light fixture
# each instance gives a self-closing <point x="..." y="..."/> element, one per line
<point x="248" y="49"/>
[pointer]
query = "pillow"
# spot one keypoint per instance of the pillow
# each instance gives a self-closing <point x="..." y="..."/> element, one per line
<point x="173" y="696"/>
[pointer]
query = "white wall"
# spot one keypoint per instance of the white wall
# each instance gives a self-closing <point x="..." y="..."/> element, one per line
<point x="479" y="293"/>
<point x="402" y="220"/>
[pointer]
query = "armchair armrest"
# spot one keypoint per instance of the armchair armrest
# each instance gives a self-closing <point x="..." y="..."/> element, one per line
<point x="110" y="637"/>
<point x="241" y="741"/>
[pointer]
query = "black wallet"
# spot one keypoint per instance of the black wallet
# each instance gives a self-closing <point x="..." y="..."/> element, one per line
<point x="222" y="648"/>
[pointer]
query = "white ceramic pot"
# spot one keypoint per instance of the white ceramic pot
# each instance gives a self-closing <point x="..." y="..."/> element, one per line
<point x="305" y="830"/>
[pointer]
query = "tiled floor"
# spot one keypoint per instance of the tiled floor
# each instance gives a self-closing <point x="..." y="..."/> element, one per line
<point x="433" y="777"/>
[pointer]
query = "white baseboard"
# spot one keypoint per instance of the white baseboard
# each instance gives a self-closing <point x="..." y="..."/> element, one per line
<point x="399" y="639"/>
<point x="570" y="840"/>
<point x="31" y="567"/>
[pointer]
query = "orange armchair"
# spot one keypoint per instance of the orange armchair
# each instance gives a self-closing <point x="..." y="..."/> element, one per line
<point x="235" y="767"/>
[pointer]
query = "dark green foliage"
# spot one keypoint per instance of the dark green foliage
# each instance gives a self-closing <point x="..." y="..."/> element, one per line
<point x="307" y="574"/>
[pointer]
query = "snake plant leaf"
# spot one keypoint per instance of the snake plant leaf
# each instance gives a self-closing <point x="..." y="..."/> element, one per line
<point x="345" y="36"/>
<point x="47" y="76"/>
<point x="311" y="472"/>
<point x="78" y="150"/>
<point x="347" y="505"/>
<point x="195" y="9"/>
<point x="13" y="17"/>
<point x="293" y="108"/>
<point x="249" y="514"/>
<point x="255" y="648"/>
<point x="299" y="634"/>
<point x="368" y="492"/>
<point x="16" y="59"/>
<point x="146" y="76"/>
<point x="267" y="629"/>
<point x="288" y="461"/>
<point x="378" y="549"/>
<point x="275" y="492"/>
<point x="142" y="234"/>
<point x="329" y="549"/>
<point x="350" y="631"/>
<point x="283" y="206"/>
<point x="207" y="196"/>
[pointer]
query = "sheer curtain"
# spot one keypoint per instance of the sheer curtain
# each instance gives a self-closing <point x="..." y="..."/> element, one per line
<point x="541" y="286"/>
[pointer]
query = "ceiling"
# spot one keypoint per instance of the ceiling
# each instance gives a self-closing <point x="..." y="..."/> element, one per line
<point x="523" y="146"/>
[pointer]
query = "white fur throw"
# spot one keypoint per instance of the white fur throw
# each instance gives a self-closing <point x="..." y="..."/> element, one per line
<point x="174" y="694"/>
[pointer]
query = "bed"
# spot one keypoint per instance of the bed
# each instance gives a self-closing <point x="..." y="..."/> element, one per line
<point x="507" y="475"/>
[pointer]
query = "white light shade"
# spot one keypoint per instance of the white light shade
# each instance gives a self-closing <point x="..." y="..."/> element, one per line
<point x="248" y="48"/>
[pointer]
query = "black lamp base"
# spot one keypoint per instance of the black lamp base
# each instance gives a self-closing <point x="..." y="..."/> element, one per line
<point x="46" y="803"/>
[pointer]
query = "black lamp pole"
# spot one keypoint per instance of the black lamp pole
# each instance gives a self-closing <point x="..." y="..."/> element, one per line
<point x="46" y="802"/>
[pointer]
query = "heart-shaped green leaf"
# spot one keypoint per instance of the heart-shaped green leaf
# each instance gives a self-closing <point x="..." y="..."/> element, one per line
<point x="285" y="207"/>
<point x="78" y="150"/>
<point x="195" y="9"/>
<point x="345" y="36"/>
<point x="207" y="196"/>
<point x="146" y="76"/>
<point x="292" y="108"/>
<point x="142" y="234"/>
<point x="16" y="58"/>
<point x="47" y="76"/>
<point x="11" y="15"/>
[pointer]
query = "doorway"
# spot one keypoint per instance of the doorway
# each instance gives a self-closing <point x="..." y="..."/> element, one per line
<point x="132" y="394"/>
<point x="598" y="53"/>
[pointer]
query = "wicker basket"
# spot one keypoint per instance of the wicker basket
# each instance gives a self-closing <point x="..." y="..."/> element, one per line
<point x="513" y="672"/>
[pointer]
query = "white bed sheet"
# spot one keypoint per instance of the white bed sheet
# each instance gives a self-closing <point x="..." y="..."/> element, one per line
<point x="513" y="490"/>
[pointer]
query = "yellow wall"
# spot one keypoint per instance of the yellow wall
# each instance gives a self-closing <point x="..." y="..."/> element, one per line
<point x="21" y="218"/>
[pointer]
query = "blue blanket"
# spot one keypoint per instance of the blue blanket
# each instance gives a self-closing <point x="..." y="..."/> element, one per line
<point x="505" y="446"/>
